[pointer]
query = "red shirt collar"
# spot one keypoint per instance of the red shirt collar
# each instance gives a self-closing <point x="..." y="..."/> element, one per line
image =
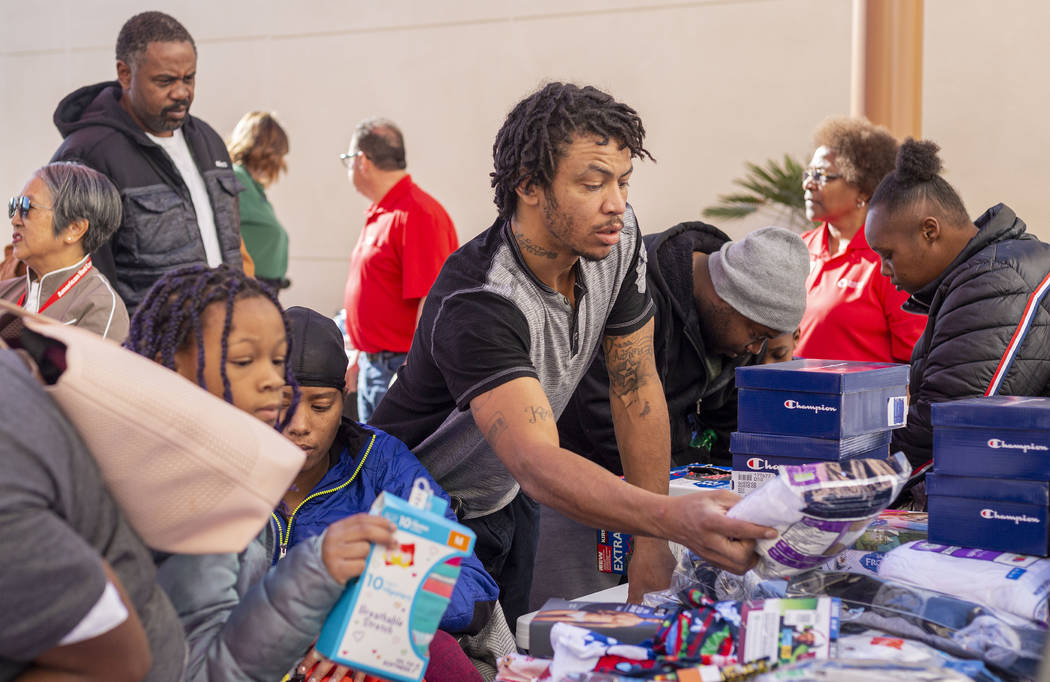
<point x="391" y="198"/>
<point x="858" y="243"/>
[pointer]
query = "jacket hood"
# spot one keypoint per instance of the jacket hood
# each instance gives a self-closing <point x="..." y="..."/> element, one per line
<point x="997" y="224"/>
<point x="670" y="263"/>
<point x="96" y="105"/>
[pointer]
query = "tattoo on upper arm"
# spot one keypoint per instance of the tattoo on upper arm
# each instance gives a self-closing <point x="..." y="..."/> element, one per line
<point x="626" y="360"/>
<point x="496" y="428"/>
<point x="496" y="425"/>
<point x="535" y="249"/>
<point x="539" y="413"/>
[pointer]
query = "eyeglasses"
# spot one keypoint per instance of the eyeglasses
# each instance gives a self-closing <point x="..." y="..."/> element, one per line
<point x="21" y="205"/>
<point x="348" y="159"/>
<point x="819" y="176"/>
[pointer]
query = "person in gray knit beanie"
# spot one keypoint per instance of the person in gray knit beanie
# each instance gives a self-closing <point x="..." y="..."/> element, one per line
<point x="763" y="277"/>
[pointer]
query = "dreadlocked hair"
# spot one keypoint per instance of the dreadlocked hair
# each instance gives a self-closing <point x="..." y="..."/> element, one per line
<point x="170" y="318"/>
<point x="540" y="128"/>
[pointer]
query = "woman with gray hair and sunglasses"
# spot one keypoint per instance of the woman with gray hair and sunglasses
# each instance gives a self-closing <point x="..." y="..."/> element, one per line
<point x="65" y="212"/>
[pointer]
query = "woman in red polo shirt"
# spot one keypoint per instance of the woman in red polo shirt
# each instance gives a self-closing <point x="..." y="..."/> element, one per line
<point x="852" y="310"/>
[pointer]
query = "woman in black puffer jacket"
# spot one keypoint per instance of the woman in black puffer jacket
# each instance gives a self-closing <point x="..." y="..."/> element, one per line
<point x="975" y="281"/>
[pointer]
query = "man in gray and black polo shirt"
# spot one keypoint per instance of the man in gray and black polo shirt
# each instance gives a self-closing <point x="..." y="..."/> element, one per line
<point x="510" y="327"/>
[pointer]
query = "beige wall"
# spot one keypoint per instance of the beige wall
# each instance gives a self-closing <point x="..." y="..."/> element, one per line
<point x="986" y="98"/>
<point x="717" y="83"/>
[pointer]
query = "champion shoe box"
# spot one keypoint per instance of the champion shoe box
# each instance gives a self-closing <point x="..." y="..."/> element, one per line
<point x="990" y="486"/>
<point x="757" y="457"/>
<point x="1000" y="436"/>
<point x="829" y="410"/>
<point x="822" y="398"/>
<point x="1003" y="515"/>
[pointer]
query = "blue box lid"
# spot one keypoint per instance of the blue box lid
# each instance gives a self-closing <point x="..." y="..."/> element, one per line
<point x="823" y="376"/>
<point x="1008" y="411"/>
<point x="746" y="443"/>
<point x="999" y="489"/>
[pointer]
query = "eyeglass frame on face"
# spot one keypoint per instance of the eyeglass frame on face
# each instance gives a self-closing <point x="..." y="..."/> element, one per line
<point x="819" y="176"/>
<point x="22" y="204"/>
<point x="348" y="159"/>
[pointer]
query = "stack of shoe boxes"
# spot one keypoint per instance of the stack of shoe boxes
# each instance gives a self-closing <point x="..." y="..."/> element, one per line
<point x="804" y="410"/>
<point x="990" y="485"/>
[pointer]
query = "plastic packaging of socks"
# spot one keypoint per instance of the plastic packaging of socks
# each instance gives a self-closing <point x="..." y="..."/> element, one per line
<point x="819" y="509"/>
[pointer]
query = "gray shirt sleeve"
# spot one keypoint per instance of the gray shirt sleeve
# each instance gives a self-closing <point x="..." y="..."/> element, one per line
<point x="51" y="576"/>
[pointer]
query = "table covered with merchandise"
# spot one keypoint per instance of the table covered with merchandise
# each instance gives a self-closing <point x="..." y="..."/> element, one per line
<point x="850" y="589"/>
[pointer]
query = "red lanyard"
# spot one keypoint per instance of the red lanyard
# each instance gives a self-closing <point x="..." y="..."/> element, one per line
<point x="62" y="290"/>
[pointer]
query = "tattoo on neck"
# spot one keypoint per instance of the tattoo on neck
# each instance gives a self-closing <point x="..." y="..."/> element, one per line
<point x="535" y="249"/>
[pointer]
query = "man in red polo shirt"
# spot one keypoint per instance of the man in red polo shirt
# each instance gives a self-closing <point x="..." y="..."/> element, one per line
<point x="405" y="240"/>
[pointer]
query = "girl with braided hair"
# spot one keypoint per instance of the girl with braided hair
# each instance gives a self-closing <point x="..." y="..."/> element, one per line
<point x="186" y="323"/>
<point x="243" y="619"/>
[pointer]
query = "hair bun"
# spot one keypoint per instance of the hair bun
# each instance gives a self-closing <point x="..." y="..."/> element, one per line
<point x="917" y="161"/>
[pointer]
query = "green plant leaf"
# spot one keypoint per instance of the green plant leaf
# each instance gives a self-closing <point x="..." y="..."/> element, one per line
<point x="775" y="186"/>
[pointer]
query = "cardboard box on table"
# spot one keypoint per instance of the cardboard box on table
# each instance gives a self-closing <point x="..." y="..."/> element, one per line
<point x="757" y="457"/>
<point x="821" y="398"/>
<point x="993" y="437"/>
<point x="385" y="619"/>
<point x="628" y="623"/>
<point x="1001" y="514"/>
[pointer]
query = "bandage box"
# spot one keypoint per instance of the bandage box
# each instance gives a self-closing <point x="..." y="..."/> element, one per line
<point x="385" y="619"/>
<point x="757" y="457"/>
<point x="1001" y="514"/>
<point x="822" y="398"/>
<point x="1000" y="436"/>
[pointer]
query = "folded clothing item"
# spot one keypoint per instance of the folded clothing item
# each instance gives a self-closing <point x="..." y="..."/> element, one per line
<point x="577" y="650"/>
<point x="820" y="510"/>
<point x="1014" y="583"/>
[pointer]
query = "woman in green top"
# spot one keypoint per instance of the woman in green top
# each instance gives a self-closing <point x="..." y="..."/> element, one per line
<point x="258" y="146"/>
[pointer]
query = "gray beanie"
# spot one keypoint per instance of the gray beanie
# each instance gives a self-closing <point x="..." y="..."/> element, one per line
<point x="763" y="277"/>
